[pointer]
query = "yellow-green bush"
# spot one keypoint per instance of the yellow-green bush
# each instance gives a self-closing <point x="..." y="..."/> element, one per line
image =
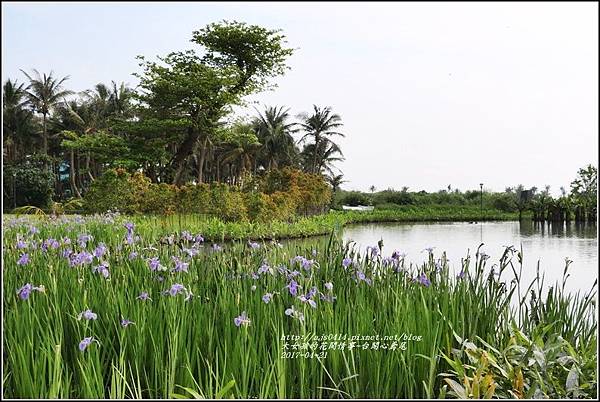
<point x="280" y="195"/>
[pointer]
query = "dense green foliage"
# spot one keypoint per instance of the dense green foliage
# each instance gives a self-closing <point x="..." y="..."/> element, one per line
<point x="30" y="182"/>
<point x="205" y="330"/>
<point x="279" y="195"/>
<point x="177" y="127"/>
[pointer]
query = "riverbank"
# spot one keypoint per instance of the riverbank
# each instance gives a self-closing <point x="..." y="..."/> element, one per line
<point x="215" y="230"/>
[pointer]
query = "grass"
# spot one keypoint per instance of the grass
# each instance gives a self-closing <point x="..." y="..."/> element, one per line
<point x="216" y="230"/>
<point x="179" y="348"/>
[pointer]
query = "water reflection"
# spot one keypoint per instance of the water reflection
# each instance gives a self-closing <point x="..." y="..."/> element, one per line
<point x="546" y="243"/>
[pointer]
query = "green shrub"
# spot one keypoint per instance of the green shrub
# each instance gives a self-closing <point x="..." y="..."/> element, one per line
<point x="34" y="183"/>
<point x="111" y="192"/>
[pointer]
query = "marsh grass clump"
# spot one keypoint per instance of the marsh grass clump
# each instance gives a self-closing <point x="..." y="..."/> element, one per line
<point x="120" y="309"/>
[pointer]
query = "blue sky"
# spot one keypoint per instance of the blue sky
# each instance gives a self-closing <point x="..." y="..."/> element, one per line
<point x="431" y="94"/>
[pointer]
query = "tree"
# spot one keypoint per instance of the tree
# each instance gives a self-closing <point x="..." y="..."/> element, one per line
<point x="372" y="189"/>
<point x="238" y="60"/>
<point x="584" y="190"/>
<point x="240" y="146"/>
<point x="320" y="126"/>
<point x="335" y="181"/>
<point x="274" y="131"/>
<point x="521" y="198"/>
<point x="44" y="93"/>
<point x="326" y="153"/>
<point x="17" y="122"/>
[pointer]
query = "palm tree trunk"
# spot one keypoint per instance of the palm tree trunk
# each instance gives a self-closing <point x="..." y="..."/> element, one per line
<point x="44" y="134"/>
<point x="74" y="188"/>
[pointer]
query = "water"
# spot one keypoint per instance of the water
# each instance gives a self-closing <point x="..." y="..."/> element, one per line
<point x="546" y="243"/>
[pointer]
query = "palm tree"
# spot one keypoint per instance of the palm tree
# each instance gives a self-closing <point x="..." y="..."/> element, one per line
<point x="325" y="154"/>
<point x="44" y="93"/>
<point x="320" y="126"/>
<point x="17" y="120"/>
<point x="120" y="98"/>
<point x="275" y="134"/>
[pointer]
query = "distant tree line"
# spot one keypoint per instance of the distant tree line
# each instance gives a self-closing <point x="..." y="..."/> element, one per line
<point x="176" y="127"/>
<point x="580" y="203"/>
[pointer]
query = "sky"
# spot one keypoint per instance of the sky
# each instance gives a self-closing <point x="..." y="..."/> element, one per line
<point x="430" y="94"/>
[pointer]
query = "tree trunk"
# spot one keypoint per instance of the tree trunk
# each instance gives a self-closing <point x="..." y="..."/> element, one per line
<point x="87" y="168"/>
<point x="44" y="134"/>
<point x="202" y="160"/>
<point x="184" y="151"/>
<point x="74" y="188"/>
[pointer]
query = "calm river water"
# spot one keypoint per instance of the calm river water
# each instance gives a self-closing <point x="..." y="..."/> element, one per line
<point x="550" y="244"/>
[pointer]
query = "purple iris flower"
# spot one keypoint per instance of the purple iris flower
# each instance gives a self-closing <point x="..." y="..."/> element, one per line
<point x="25" y="291"/>
<point x="102" y="269"/>
<point x="293" y="287"/>
<point x="51" y="243"/>
<point x="263" y="268"/>
<point x="66" y="253"/>
<point x="199" y="239"/>
<point x="33" y="230"/>
<point x="133" y="255"/>
<point x="313" y="291"/>
<point x="85" y="342"/>
<point x="81" y="258"/>
<point x="373" y="250"/>
<point x="328" y="285"/>
<point x="253" y="245"/>
<point x="125" y="323"/>
<point x="346" y="262"/>
<point x="396" y="255"/>
<point x="305" y="299"/>
<point x="176" y="289"/>
<point x="21" y="244"/>
<point x="307" y="264"/>
<point x="362" y="277"/>
<point x="100" y="250"/>
<point x="180" y="266"/>
<point x="191" y="252"/>
<point x="143" y="296"/>
<point x="129" y="226"/>
<point x="423" y="280"/>
<point x="267" y="297"/>
<point x="154" y="264"/>
<point x="23" y="260"/>
<point x="82" y="239"/>
<point x="88" y="315"/>
<point x="428" y="249"/>
<point x="461" y="274"/>
<point x="298" y="259"/>
<point x="216" y="247"/>
<point x="65" y="241"/>
<point x="242" y="319"/>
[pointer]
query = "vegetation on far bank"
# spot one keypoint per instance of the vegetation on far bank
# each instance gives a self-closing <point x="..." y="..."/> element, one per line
<point x="215" y="229"/>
